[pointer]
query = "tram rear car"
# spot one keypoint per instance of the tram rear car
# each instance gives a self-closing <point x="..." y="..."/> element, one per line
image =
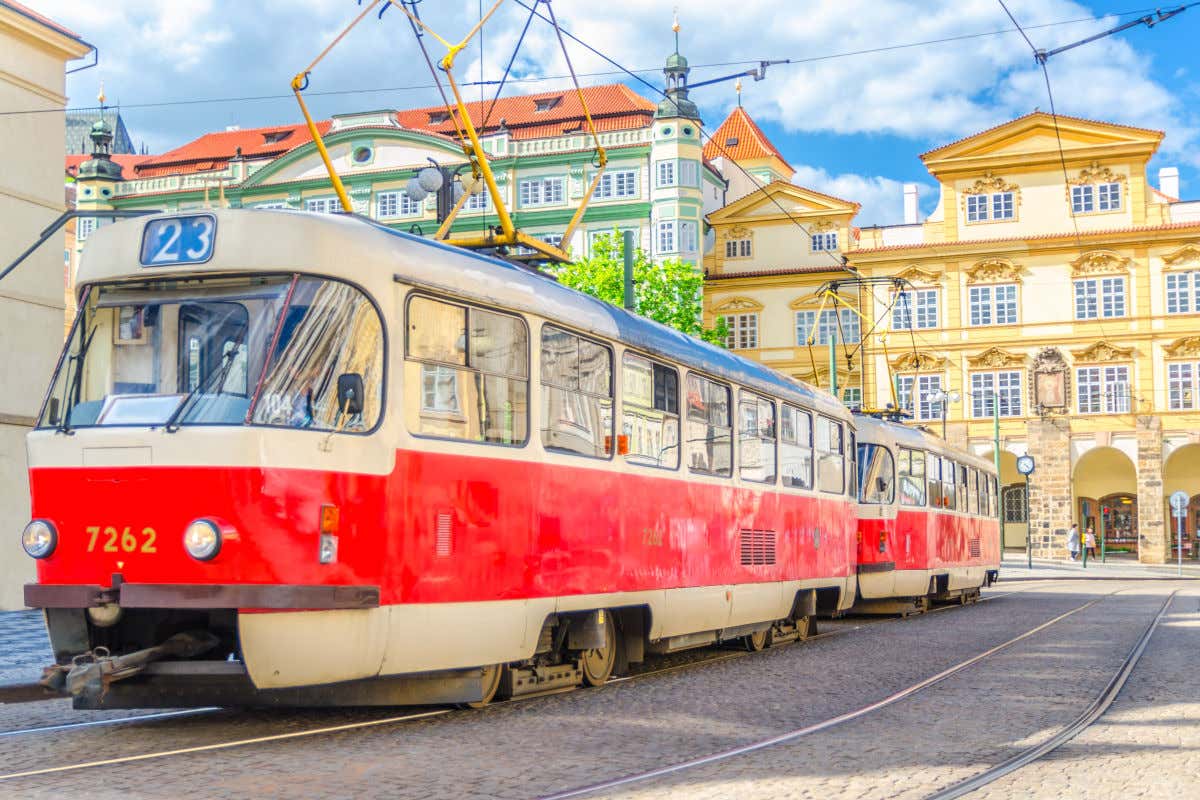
<point x="304" y="459"/>
<point x="927" y="520"/>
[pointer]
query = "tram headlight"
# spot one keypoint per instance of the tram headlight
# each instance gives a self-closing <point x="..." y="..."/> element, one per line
<point x="202" y="540"/>
<point x="39" y="538"/>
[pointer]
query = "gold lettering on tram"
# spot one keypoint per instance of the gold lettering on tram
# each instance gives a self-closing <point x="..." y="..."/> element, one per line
<point x="108" y="539"/>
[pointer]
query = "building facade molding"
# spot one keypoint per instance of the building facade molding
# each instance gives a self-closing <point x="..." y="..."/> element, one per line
<point x="1186" y="256"/>
<point x="996" y="358"/>
<point x="811" y="302"/>
<point x="993" y="270"/>
<point x="738" y="305"/>
<point x="918" y="276"/>
<point x="738" y="232"/>
<point x="919" y="362"/>
<point x="1183" y="347"/>
<point x="1102" y="352"/>
<point x="1050" y="384"/>
<point x="1095" y="173"/>
<point x="1100" y="262"/>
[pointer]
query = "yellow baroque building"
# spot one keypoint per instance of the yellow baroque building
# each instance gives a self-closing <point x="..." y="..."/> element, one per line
<point x="1052" y="280"/>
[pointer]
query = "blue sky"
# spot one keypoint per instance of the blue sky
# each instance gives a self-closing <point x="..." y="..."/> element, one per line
<point x="852" y="126"/>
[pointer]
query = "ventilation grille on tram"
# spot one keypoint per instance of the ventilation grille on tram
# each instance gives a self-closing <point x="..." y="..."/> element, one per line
<point x="758" y="548"/>
<point x="974" y="548"/>
<point x="445" y="535"/>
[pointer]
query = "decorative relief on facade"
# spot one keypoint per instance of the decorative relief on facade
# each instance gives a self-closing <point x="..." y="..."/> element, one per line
<point x="1187" y="346"/>
<point x="1096" y="174"/>
<point x="993" y="270"/>
<point x="1102" y="352"/>
<point x="995" y="358"/>
<point x="1050" y="387"/>
<point x="822" y="225"/>
<point x="738" y="305"/>
<point x="1186" y="256"/>
<point x="811" y="302"/>
<point x="739" y="232"/>
<point x="1099" y="262"/>
<point x="919" y="362"/>
<point x="920" y="277"/>
<point x="991" y="183"/>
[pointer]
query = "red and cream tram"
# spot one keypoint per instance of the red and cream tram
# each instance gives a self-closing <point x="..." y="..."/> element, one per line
<point x="305" y="459"/>
<point x="927" y="523"/>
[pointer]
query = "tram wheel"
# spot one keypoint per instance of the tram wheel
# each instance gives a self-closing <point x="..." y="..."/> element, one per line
<point x="597" y="664"/>
<point x="491" y="683"/>
<point x="759" y="640"/>
<point x="806" y="627"/>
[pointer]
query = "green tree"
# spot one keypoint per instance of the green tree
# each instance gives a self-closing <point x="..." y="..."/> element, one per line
<point x="670" y="292"/>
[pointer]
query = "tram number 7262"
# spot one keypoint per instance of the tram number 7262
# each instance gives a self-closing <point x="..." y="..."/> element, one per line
<point x="110" y="540"/>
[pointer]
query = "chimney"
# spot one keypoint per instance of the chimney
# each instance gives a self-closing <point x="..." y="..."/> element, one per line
<point x="1168" y="182"/>
<point x="232" y="128"/>
<point x="912" y="209"/>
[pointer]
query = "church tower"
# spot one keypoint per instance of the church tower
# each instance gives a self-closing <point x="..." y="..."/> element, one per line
<point x="676" y="168"/>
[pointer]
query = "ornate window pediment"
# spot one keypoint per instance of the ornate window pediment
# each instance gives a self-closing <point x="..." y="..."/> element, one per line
<point x="919" y="362"/>
<point x="738" y="305"/>
<point x="1102" y="352"/>
<point x="1186" y="256"/>
<point x="1096" y="174"/>
<point x="1099" y="262"/>
<point x="993" y="270"/>
<point x="1186" y="346"/>
<point x="990" y="183"/>
<point x="919" y="276"/>
<point x="811" y="302"/>
<point x="822" y="225"/>
<point x="738" y="232"/>
<point x="995" y="358"/>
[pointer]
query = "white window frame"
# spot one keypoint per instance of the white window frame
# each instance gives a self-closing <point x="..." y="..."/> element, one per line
<point x="689" y="172"/>
<point x="1083" y="199"/>
<point x="666" y="237"/>
<point x="992" y="304"/>
<point x="739" y="248"/>
<point x="742" y="333"/>
<point x="1184" y="296"/>
<point x="1108" y="197"/>
<point x="85" y="227"/>
<point x="548" y="190"/>
<point x="323" y="205"/>
<point x="689" y="237"/>
<point x="824" y="242"/>
<point x="1006" y="386"/>
<point x="922" y="309"/>
<point x="978" y="206"/>
<point x="1004" y="206"/>
<point x="1103" y="389"/>
<point x="1183" y="385"/>
<point x="478" y="201"/>
<point x="401" y="204"/>
<point x="828" y="329"/>
<point x="1102" y="297"/>
<point x="665" y="173"/>
<point x="994" y="207"/>
<point x="621" y="184"/>
<point x="925" y="409"/>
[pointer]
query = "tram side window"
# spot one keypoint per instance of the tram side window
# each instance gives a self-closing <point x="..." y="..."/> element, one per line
<point x="963" y="487"/>
<point x="830" y="456"/>
<point x="876" y="474"/>
<point x="933" y="474"/>
<point x="949" y="490"/>
<point x="577" y="404"/>
<point x="912" y="477"/>
<point x="709" y="433"/>
<point x="795" y="447"/>
<point x="466" y="375"/>
<point x="756" y="437"/>
<point x="650" y="412"/>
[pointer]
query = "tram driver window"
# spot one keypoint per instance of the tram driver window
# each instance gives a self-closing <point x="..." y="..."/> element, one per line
<point x="649" y="412"/>
<point x="876" y="474"/>
<point x="912" y="477"/>
<point x="756" y="437"/>
<point x="933" y="474"/>
<point x="577" y="405"/>
<point x="795" y="447"/>
<point x="466" y="373"/>
<point x="709" y="433"/>
<point x="830" y="456"/>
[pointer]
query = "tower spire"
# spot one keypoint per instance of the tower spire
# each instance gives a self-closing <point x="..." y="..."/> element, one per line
<point x="675" y="27"/>
<point x="738" y="88"/>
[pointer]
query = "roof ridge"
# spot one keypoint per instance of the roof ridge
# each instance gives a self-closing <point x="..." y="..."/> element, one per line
<point x="1037" y="113"/>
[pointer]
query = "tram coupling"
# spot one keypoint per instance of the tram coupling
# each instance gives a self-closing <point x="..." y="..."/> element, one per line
<point x="91" y="673"/>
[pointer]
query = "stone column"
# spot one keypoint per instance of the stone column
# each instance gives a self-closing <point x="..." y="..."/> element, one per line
<point x="1154" y="544"/>
<point x="1050" y="506"/>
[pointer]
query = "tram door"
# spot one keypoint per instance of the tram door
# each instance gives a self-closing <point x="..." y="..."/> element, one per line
<point x="207" y="331"/>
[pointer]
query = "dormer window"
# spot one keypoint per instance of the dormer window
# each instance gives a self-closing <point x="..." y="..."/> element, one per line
<point x="275" y="136"/>
<point x="731" y="141"/>
<point x="438" y="117"/>
<point x="546" y="103"/>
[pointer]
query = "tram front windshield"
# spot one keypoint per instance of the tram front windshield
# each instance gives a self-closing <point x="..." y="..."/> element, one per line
<point x="219" y="351"/>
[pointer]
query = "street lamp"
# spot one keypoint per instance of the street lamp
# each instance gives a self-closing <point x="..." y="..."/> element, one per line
<point x="945" y="398"/>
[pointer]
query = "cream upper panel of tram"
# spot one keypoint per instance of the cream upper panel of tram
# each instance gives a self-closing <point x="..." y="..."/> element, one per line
<point x="876" y="431"/>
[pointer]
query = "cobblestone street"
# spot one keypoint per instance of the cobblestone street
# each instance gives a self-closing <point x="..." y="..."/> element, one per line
<point x="909" y="748"/>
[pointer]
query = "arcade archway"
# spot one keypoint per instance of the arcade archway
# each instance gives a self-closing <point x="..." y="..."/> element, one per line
<point x="1181" y="472"/>
<point x="1104" y="483"/>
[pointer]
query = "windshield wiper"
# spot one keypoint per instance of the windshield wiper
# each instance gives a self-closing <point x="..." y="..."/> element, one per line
<point x="221" y="372"/>
<point x="64" y="425"/>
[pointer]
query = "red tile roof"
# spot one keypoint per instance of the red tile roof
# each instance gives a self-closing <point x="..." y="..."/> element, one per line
<point x="1039" y="237"/>
<point x="612" y="106"/>
<point x="127" y="162"/>
<point x="1038" y="114"/>
<point x="749" y="140"/>
<point x="213" y="150"/>
<point x="26" y="11"/>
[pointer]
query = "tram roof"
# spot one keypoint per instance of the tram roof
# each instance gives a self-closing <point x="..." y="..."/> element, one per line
<point x="872" y="429"/>
<point x="367" y="253"/>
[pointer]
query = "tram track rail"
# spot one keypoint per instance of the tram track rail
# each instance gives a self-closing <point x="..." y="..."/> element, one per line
<point x="719" y="656"/>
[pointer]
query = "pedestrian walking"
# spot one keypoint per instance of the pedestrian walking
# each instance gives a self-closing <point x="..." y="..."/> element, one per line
<point x="1073" y="542"/>
<point x="1089" y="541"/>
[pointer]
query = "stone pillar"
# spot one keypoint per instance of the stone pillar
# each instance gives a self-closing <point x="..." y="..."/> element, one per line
<point x="1154" y="543"/>
<point x="1050" y="506"/>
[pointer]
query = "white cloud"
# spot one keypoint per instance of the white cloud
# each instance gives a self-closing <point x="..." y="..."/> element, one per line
<point x="882" y="198"/>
